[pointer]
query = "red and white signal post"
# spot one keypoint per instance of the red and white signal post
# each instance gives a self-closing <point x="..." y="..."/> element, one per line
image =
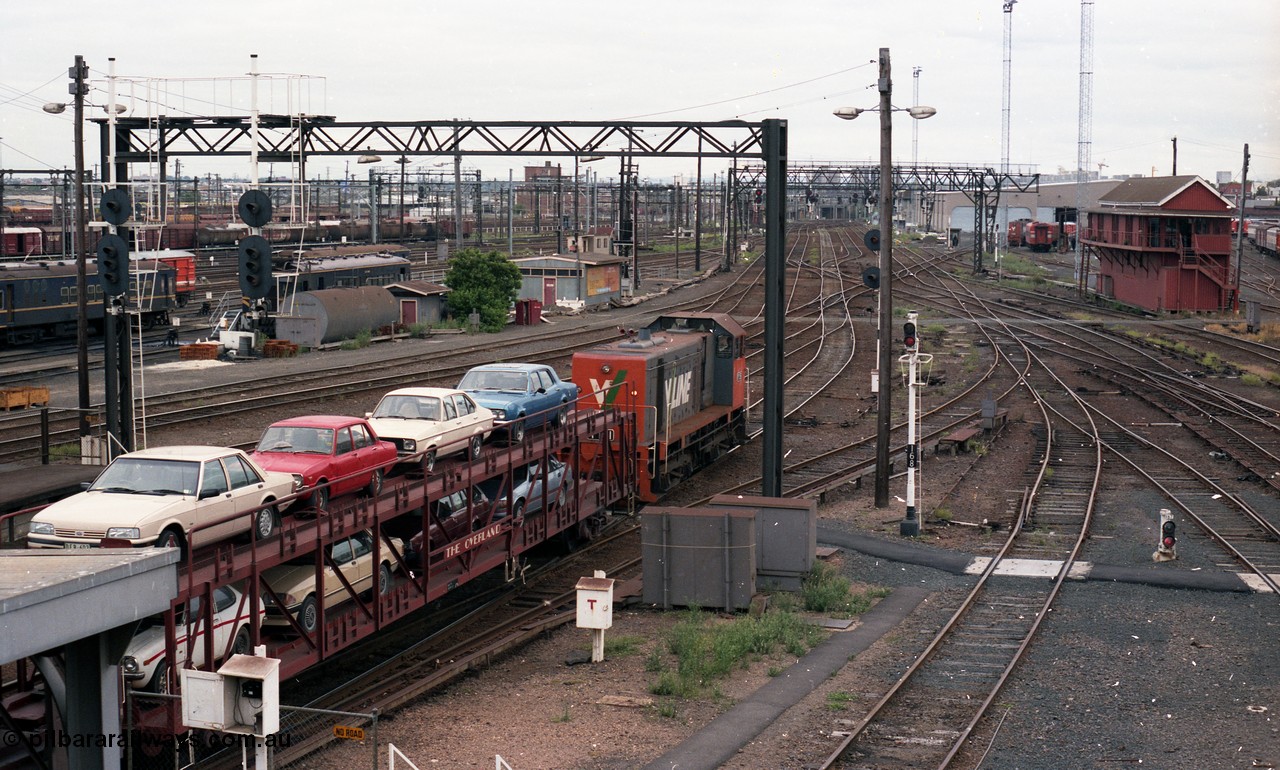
<point x="912" y="361"/>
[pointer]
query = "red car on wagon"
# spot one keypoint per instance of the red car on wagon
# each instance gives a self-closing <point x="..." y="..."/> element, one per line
<point x="328" y="455"/>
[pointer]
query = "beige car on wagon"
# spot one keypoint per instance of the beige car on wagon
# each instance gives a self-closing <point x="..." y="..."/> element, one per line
<point x="167" y="496"/>
<point x="294" y="582"/>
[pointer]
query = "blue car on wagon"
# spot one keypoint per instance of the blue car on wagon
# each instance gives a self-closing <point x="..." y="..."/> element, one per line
<point x="521" y="396"/>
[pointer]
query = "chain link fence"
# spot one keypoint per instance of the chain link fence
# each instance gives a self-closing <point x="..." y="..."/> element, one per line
<point x="157" y="740"/>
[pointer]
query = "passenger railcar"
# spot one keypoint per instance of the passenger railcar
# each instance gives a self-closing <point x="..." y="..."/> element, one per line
<point x="38" y="299"/>
<point x="313" y="274"/>
<point x="685" y="379"/>
<point x="1040" y="236"/>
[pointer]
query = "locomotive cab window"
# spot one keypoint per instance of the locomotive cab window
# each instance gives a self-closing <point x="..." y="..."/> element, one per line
<point x="725" y="347"/>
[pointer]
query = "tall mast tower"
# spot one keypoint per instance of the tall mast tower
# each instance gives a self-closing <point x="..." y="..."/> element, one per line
<point x="1002" y="231"/>
<point x="1084" y="146"/>
<point x="1008" y="89"/>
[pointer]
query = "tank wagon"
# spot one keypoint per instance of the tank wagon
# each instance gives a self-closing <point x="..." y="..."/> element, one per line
<point x="330" y="315"/>
<point x="684" y="377"/>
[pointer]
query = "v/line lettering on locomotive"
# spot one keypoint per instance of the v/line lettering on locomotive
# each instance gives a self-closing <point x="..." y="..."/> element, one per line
<point x="679" y="390"/>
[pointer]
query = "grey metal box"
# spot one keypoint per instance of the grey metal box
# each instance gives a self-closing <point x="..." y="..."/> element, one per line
<point x="700" y="557"/>
<point x="786" y="537"/>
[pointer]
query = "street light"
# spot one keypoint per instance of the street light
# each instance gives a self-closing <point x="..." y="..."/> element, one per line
<point x="910" y="526"/>
<point x="403" y="161"/>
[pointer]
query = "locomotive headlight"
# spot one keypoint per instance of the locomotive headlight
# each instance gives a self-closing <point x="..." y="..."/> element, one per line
<point x="124" y="533"/>
<point x="40" y="528"/>
<point x="605" y="368"/>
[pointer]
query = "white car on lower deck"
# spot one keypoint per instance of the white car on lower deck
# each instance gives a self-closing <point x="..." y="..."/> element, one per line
<point x="145" y="664"/>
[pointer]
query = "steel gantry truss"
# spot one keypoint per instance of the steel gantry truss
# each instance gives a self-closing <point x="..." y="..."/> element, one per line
<point x="981" y="185"/>
<point x="297" y="138"/>
<point x="284" y="138"/>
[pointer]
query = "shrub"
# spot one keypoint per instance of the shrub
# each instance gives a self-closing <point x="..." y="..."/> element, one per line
<point x="707" y="649"/>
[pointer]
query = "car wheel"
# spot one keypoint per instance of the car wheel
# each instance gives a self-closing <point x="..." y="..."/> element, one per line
<point x="159" y="683"/>
<point x="519" y="512"/>
<point x="515" y="432"/>
<point x="243" y="645"/>
<point x="384" y="579"/>
<point x="429" y="461"/>
<point x="320" y="497"/>
<point x="375" y="483"/>
<point x="264" y="522"/>
<point x="170" y="538"/>
<point x="474" y="447"/>
<point x="308" y="614"/>
<point x="561" y="417"/>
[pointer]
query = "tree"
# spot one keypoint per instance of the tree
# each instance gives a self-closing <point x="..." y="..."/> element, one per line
<point x="486" y="283"/>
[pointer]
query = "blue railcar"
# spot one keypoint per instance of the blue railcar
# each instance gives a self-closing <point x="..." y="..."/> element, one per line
<point x="38" y="300"/>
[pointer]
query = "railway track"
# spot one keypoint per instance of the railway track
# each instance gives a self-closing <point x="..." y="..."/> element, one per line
<point x="925" y="718"/>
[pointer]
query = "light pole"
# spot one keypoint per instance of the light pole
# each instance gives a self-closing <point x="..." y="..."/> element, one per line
<point x="369" y="158"/>
<point x="79" y="89"/>
<point x="403" y="161"/>
<point x="884" y="361"/>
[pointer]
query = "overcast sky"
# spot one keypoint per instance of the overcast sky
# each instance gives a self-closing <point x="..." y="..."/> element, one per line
<point x="1208" y="74"/>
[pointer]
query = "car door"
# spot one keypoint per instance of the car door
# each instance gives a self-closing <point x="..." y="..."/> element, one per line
<point x="541" y="395"/>
<point x="366" y="454"/>
<point x="454" y="429"/>
<point x="224" y="619"/>
<point x="346" y="461"/>
<point x="246" y="490"/>
<point x="341" y="554"/>
<point x="536" y="485"/>
<point x="214" y="503"/>
<point x="361" y="574"/>
<point x="470" y="413"/>
<point x="189" y="633"/>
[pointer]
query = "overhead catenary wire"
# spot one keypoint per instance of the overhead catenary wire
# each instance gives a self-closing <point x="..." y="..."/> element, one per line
<point x="748" y="96"/>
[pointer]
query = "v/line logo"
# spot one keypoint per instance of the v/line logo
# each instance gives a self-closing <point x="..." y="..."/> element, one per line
<point x="679" y="390"/>
<point x="607" y="392"/>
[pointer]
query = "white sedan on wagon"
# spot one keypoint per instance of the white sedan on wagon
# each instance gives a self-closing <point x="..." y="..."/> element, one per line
<point x="167" y="496"/>
<point x="431" y="423"/>
<point x="145" y="665"/>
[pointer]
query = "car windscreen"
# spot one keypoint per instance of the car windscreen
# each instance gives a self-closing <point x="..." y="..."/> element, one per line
<point x="494" y="380"/>
<point x="296" y="439"/>
<point x="149" y="477"/>
<point x="408" y="407"/>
